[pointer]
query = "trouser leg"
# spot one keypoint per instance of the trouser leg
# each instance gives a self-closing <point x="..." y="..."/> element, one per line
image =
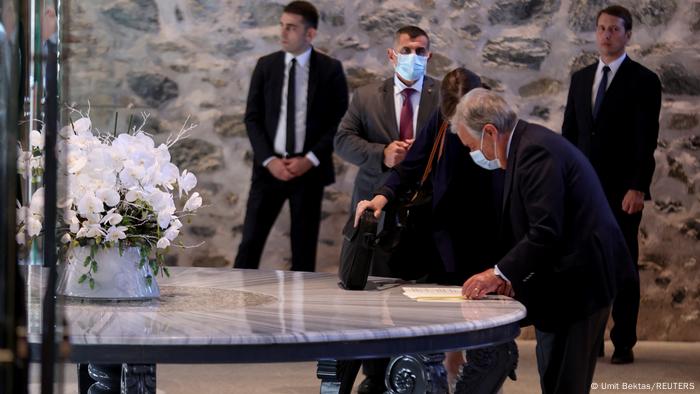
<point x="264" y="204"/>
<point x="566" y="358"/>
<point x="625" y="309"/>
<point x="305" y="209"/>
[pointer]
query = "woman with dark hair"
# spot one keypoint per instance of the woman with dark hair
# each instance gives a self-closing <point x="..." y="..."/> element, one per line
<point x="458" y="235"/>
<point x="456" y="232"/>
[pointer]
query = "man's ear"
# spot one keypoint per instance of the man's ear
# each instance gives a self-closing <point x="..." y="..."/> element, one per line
<point x="491" y="130"/>
<point x="310" y="34"/>
<point x="391" y="55"/>
<point x="430" y="55"/>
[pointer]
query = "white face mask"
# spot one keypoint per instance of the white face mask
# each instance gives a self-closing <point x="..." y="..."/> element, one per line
<point x="410" y="67"/>
<point x="481" y="160"/>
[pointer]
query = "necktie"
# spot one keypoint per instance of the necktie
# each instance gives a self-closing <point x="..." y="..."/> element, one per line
<point x="291" y="108"/>
<point x="406" y="118"/>
<point x="601" y="92"/>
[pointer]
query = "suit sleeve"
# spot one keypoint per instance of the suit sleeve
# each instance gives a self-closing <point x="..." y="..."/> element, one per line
<point x="255" y="116"/>
<point x="336" y="109"/>
<point x="646" y="124"/>
<point x="542" y="186"/>
<point x="408" y="174"/>
<point x="351" y="141"/>
<point x="570" y="128"/>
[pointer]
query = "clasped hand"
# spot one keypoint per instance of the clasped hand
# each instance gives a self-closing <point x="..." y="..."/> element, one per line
<point x="290" y="168"/>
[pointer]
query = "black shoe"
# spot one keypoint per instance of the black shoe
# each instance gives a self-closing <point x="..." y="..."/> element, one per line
<point x="372" y="386"/>
<point x="622" y="356"/>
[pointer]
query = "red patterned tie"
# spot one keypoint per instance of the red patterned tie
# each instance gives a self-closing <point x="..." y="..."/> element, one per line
<point x="406" y="120"/>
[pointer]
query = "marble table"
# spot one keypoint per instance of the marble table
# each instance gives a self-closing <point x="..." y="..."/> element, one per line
<point x="209" y="315"/>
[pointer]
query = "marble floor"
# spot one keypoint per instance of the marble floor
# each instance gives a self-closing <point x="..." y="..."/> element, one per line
<point x="657" y="362"/>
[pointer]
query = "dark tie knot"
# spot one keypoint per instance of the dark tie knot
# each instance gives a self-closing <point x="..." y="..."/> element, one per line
<point x="606" y="69"/>
<point x="406" y="93"/>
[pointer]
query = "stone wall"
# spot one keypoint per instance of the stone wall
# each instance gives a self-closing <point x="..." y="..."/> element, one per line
<point x="174" y="58"/>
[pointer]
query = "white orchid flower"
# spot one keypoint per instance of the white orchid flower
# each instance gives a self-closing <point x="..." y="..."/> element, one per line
<point x="36" y="162"/>
<point x="75" y="161"/>
<point x="194" y="202"/>
<point x="88" y="204"/>
<point x="115" y="233"/>
<point x="109" y="196"/>
<point x="163" y="243"/>
<point x="82" y="125"/>
<point x="66" y="238"/>
<point x="36" y="139"/>
<point x="112" y="218"/>
<point x="186" y="182"/>
<point x="176" y="224"/>
<point x="22" y="165"/>
<point x="171" y="233"/>
<point x="133" y="195"/>
<point x="144" y="142"/>
<point x="90" y="231"/>
<point x="128" y="180"/>
<point x="36" y="206"/>
<point x="160" y="200"/>
<point x="33" y="226"/>
<point x="164" y="217"/>
<point x="168" y="175"/>
<point x="21" y="238"/>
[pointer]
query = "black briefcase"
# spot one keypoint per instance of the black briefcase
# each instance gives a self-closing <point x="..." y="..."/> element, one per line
<point x="357" y="251"/>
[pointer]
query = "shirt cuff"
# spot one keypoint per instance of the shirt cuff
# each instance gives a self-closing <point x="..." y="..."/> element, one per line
<point x="499" y="273"/>
<point x="313" y="159"/>
<point x="267" y="161"/>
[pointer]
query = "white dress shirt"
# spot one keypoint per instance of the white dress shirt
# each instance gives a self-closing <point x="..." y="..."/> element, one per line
<point x="301" y="89"/>
<point x="614" y="66"/>
<point x="415" y="101"/>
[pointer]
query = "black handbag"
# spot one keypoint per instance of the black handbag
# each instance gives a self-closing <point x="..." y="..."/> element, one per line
<point x="405" y="244"/>
<point x="357" y="251"/>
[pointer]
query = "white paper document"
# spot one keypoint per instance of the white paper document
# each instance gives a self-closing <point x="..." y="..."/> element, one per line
<point x="434" y="294"/>
<point x="442" y="294"/>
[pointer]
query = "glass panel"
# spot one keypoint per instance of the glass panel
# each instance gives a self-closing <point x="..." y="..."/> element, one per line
<point x="13" y="365"/>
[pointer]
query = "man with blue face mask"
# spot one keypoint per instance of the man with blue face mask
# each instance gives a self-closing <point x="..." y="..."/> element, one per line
<point x="565" y="255"/>
<point x="378" y="129"/>
<point x="384" y="118"/>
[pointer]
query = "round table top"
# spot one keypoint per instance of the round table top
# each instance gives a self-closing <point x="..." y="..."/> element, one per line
<point x="221" y="315"/>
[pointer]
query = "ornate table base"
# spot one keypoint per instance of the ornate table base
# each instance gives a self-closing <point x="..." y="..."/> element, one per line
<point x="337" y="376"/>
<point x="117" y="378"/>
<point x="420" y="373"/>
<point x="484" y="373"/>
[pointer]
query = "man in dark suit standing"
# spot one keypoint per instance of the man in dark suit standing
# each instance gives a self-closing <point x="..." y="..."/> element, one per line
<point x="565" y="252"/>
<point x="296" y="99"/>
<point x="384" y="118"/>
<point x="612" y="115"/>
<point x="377" y="132"/>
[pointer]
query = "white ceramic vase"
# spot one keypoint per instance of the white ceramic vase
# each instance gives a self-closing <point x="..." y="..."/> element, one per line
<point x="118" y="277"/>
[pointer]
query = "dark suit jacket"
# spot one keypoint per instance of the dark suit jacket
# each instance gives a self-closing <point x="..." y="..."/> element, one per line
<point x="327" y="102"/>
<point x="370" y="125"/>
<point x="568" y="251"/>
<point x="464" y="237"/>
<point x="620" y="143"/>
